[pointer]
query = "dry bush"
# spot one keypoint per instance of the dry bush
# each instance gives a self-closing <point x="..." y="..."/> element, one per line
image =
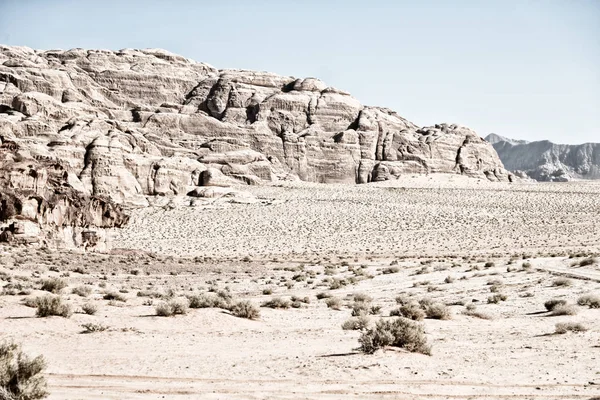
<point x="588" y="261"/>
<point x="83" y="290"/>
<point x="21" y="377"/>
<point x="562" y="282"/>
<point x="438" y="311"/>
<point x="356" y="323"/>
<point x="471" y="311"/>
<point x="267" y="292"/>
<point x="553" y="303"/>
<point x="565" y="309"/>
<point x="410" y="310"/>
<point x="114" y="296"/>
<point x="334" y="303"/>
<point x="400" y="332"/>
<point x="590" y="300"/>
<point x="323" y="295"/>
<point x="391" y="270"/>
<point x="402" y="299"/>
<point x="91" y="327"/>
<point x="52" y="305"/>
<point x="497" y="298"/>
<point x="245" y="309"/>
<point x="305" y="300"/>
<point x="89" y="308"/>
<point x="173" y="307"/>
<point x="277" y="302"/>
<point x="360" y="308"/>
<point x="564" y="327"/>
<point x="362" y="297"/>
<point x="206" y="300"/>
<point x="449" y="279"/>
<point x="53" y="285"/>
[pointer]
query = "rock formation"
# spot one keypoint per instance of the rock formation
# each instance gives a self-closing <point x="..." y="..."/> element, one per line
<point x="129" y="124"/>
<point x="547" y="161"/>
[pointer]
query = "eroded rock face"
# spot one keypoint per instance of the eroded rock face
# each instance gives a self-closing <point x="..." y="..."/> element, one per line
<point x="136" y="123"/>
<point x="44" y="201"/>
<point x="546" y="161"/>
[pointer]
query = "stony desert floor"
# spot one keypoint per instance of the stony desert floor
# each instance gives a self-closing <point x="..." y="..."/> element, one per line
<point x="463" y="244"/>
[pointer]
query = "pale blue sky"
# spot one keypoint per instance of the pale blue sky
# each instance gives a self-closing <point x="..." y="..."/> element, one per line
<point x="523" y="69"/>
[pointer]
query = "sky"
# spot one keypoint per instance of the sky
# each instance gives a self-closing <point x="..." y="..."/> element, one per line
<point x="523" y="69"/>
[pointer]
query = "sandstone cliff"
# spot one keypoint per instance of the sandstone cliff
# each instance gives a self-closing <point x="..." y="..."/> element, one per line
<point x="547" y="161"/>
<point x="129" y="124"/>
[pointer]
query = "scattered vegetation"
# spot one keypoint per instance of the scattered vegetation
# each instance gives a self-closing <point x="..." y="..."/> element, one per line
<point x="496" y="298"/>
<point x="91" y="327"/>
<point x="356" y="323"/>
<point x="277" y="302"/>
<point x="83" y="290"/>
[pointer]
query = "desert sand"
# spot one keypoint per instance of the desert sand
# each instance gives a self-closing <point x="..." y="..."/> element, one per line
<point x="454" y="240"/>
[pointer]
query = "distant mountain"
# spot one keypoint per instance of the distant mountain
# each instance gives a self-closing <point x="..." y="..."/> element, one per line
<point x="547" y="161"/>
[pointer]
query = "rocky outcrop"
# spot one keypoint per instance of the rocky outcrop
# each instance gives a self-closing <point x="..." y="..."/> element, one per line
<point x="547" y="161"/>
<point x="44" y="200"/>
<point x="134" y="123"/>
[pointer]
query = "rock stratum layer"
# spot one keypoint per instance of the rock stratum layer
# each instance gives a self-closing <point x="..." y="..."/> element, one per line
<point x="128" y="124"/>
<point x="546" y="161"/>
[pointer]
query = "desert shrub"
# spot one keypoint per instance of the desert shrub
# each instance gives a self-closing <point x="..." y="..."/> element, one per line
<point x="526" y="265"/>
<point x="471" y="311"/>
<point x="91" y="327"/>
<point x="425" y="302"/>
<point x="362" y="297"/>
<point x="390" y="270"/>
<point x="489" y="264"/>
<point x="400" y="332"/>
<point x="590" y="300"/>
<point x="89" y="308"/>
<point x="170" y="308"/>
<point x="588" y="261"/>
<point x="562" y="282"/>
<point x="553" y="303"/>
<point x="449" y="279"/>
<point x="206" y="300"/>
<point x="497" y="298"/>
<point x="267" y="291"/>
<point x="565" y="309"/>
<point x="375" y="309"/>
<point x="52" y="305"/>
<point x="83" y="290"/>
<point x="410" y="310"/>
<point x="337" y="283"/>
<point x="402" y="299"/>
<point x="21" y="377"/>
<point x="334" y="303"/>
<point x="323" y="295"/>
<point x="356" y="323"/>
<point x="53" y="285"/>
<point x="305" y="300"/>
<point x="277" y="302"/>
<point x="245" y="309"/>
<point x="564" y="327"/>
<point x="438" y="311"/>
<point x="114" y="296"/>
<point x="30" y="302"/>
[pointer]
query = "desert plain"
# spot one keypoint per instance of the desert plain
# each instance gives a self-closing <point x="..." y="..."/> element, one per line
<point x="490" y="254"/>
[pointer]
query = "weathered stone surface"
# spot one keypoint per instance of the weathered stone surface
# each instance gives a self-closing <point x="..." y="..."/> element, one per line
<point x="135" y="123"/>
<point x="547" y="161"/>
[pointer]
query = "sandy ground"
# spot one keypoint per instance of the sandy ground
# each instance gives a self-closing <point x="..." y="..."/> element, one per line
<point x="436" y="215"/>
<point x="425" y="230"/>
